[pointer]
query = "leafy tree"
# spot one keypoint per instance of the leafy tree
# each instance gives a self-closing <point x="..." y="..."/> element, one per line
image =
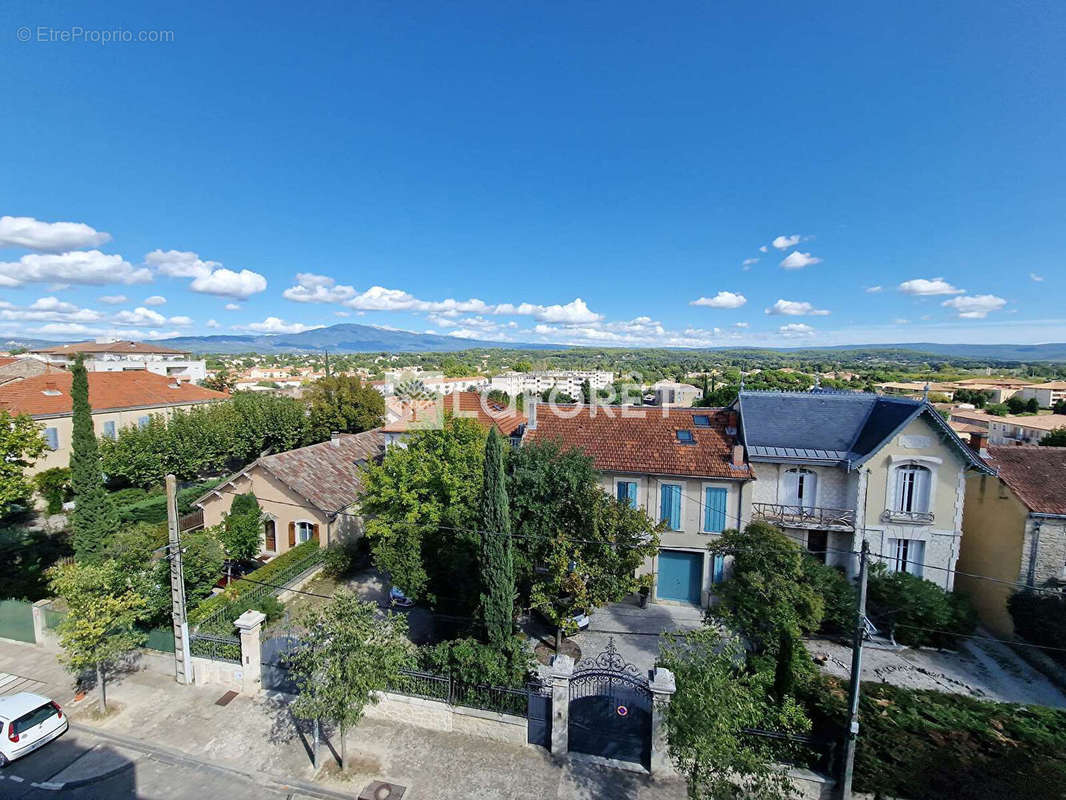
<point x="1015" y="405"/>
<point x="916" y="611"/>
<point x="346" y="653"/>
<point x="975" y="397"/>
<point x="768" y="590"/>
<point x="507" y="663"/>
<point x="242" y="527"/>
<point x="719" y="697"/>
<point x="997" y="409"/>
<point x="420" y="504"/>
<point x="259" y="422"/>
<point x="1059" y="407"/>
<point x="54" y="486"/>
<point x="1032" y="406"/>
<point x="94" y="519"/>
<point x="20" y="445"/>
<point x="1056" y="438"/>
<point x="341" y="403"/>
<point x="497" y="569"/>
<point x="586" y="391"/>
<point x="102" y="612"/>
<point x="222" y="381"/>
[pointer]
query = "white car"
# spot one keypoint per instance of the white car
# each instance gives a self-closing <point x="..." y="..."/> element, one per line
<point x="27" y="722"/>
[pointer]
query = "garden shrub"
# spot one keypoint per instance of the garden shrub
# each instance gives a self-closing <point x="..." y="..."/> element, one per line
<point x="1040" y="618"/>
<point x="54" y="486"/>
<point x="916" y="611"/>
<point x="343" y="556"/>
<point x="151" y="507"/>
<point x="473" y="662"/>
<point x="839" y="596"/>
<point x="271" y="607"/>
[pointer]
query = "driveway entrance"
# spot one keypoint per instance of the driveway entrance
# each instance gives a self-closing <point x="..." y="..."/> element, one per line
<point x="680" y="576"/>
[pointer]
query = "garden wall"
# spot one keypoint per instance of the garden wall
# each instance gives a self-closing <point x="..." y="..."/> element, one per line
<point x="437" y="716"/>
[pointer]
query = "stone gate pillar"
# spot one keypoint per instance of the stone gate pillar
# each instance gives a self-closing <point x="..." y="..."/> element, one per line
<point x="40" y="628"/>
<point x="562" y="668"/>
<point x="249" y="624"/>
<point x="662" y="688"/>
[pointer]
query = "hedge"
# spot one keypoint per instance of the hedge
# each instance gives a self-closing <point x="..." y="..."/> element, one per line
<point x="277" y="571"/>
<point x="153" y="508"/>
<point x="1040" y="618"/>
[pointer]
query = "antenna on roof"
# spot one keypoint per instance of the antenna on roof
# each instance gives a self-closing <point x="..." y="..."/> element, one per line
<point x="925" y="392"/>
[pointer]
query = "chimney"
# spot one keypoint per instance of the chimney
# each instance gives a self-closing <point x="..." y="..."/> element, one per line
<point x="979" y="444"/>
<point x="531" y="412"/>
<point x="335" y="439"/>
<point x="738" y="455"/>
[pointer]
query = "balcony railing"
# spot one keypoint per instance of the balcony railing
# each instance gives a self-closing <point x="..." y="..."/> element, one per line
<point x="910" y="517"/>
<point x="805" y="516"/>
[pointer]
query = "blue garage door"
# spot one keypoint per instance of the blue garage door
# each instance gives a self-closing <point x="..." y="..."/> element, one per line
<point x="680" y="576"/>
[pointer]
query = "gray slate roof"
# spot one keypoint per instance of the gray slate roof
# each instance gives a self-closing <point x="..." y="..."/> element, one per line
<point x="832" y="428"/>
<point x="327" y="474"/>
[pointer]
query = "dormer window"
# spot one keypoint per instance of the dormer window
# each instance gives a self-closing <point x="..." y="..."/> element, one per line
<point x="701" y="420"/>
<point x="51" y="392"/>
<point x="685" y="437"/>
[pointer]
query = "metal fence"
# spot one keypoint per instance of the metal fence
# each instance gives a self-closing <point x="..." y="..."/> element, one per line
<point x="218" y="648"/>
<point x="428" y="686"/>
<point x="16" y="620"/>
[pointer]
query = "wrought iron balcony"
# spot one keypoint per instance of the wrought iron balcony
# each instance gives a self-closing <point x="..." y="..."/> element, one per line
<point x="908" y="517"/>
<point x="838" y="519"/>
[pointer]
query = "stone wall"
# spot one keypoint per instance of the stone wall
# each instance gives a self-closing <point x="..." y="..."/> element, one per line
<point x="222" y="673"/>
<point x="438" y="716"/>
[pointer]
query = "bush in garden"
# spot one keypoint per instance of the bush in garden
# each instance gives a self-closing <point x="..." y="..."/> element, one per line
<point x="1040" y="618"/>
<point x="839" y="596"/>
<point x="54" y="486"/>
<point x="271" y="607"/>
<point x="916" y="611"/>
<point x="471" y="662"/>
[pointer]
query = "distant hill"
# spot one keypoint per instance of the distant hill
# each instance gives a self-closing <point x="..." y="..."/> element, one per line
<point x="980" y="352"/>
<point x="342" y="338"/>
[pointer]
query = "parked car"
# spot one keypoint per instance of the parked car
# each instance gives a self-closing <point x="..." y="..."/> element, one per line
<point x="28" y="722"/>
<point x="399" y="599"/>
<point x="581" y="618"/>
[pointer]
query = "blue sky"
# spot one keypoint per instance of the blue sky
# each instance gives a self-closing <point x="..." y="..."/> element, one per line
<point x="601" y="173"/>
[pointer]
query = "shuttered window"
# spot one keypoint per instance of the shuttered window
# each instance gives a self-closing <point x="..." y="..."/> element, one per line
<point x="51" y="438"/>
<point x="627" y="491"/>
<point x="717" y="569"/>
<point x="912" y="488"/>
<point x="670" y="506"/>
<point x="799" y="488"/>
<point x="714" y="502"/>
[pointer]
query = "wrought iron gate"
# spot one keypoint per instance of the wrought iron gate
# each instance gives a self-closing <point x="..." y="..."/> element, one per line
<point x="539" y="716"/>
<point x="610" y="709"/>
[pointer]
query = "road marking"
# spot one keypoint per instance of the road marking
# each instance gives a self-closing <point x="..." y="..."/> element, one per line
<point x="13" y="684"/>
<point x="16" y="778"/>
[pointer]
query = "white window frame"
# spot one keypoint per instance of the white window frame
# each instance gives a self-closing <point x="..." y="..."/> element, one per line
<point x="681" y="507"/>
<point x="931" y="463"/>
<point x="900" y="556"/>
<point x="110" y="429"/>
<point x="310" y="530"/>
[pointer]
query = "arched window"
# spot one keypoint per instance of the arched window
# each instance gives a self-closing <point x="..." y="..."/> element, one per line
<point x="912" y="488"/>
<point x="800" y="488"/>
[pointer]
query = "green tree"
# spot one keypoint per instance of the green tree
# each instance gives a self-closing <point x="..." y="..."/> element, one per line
<point x="20" y="445"/>
<point x="1056" y="438"/>
<point x="420" y="504"/>
<point x="497" y="568"/>
<point x="242" y="527"/>
<point x="1015" y="405"/>
<point x="222" y="381"/>
<point x="769" y="589"/>
<point x="102" y="612"/>
<point x="719" y="697"/>
<point x="343" y="404"/>
<point x="1032" y="406"/>
<point x="347" y="652"/>
<point x="586" y="391"/>
<point x="94" y="519"/>
<point x="54" y="486"/>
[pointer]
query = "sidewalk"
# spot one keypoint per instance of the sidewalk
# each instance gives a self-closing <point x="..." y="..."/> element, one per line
<point x="256" y="736"/>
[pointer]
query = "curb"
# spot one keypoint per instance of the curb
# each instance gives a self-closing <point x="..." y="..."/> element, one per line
<point x="62" y="786"/>
<point x="173" y="756"/>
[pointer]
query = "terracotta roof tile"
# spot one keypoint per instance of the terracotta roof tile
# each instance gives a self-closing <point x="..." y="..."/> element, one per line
<point x="461" y="404"/>
<point x="50" y="393"/>
<point x="647" y="444"/>
<point x="327" y="474"/>
<point x="1034" y="474"/>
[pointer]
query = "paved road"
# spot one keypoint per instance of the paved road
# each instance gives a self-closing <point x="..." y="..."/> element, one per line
<point x="126" y="773"/>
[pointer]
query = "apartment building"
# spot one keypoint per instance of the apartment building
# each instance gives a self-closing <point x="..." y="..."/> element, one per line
<point x="834" y="467"/>
<point x="1011" y="429"/>
<point x="416" y="383"/>
<point x="125" y="356"/>
<point x="566" y="382"/>
<point x="1046" y="394"/>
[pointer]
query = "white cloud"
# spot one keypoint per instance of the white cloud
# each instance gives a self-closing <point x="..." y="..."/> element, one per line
<point x="975" y="306"/>
<point x="311" y="288"/>
<point x="342" y="313"/>
<point x="277" y="325"/>
<point x="874" y="289"/>
<point x="180" y="264"/>
<point x="36" y="235"/>
<point x="747" y="262"/>
<point x="796" y="308"/>
<point x="155" y="300"/>
<point x="227" y="283"/>
<point x="740" y="324"/>
<point x="233" y="307"/>
<point x="212" y="323"/>
<point x="576" y="311"/>
<point x="49" y="309"/>
<point x="114" y="299"/>
<point x="928" y="286"/>
<point x="763" y="249"/>
<point x="81" y="266"/>
<point x="795" y="330"/>
<point x="1034" y="277"/>
<point x="721" y="300"/>
<point x="139" y="316"/>
<point x="798" y="260"/>
<point x="64" y="329"/>
<point x="785" y="242"/>
<point x="180" y="321"/>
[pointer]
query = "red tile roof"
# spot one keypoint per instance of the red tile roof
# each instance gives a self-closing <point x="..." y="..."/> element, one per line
<point x="110" y="347"/>
<point x="5" y="360"/>
<point x="646" y="444"/>
<point x="1034" y="474"/>
<point x="50" y="394"/>
<point x="425" y="413"/>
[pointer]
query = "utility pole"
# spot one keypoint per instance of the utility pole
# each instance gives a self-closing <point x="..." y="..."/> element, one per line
<point x="856" y="675"/>
<point x="182" y="656"/>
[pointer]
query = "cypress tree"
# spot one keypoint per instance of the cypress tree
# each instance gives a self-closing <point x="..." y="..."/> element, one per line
<point x="94" y="519"/>
<point x="497" y="568"/>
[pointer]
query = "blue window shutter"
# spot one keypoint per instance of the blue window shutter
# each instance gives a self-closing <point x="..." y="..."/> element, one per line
<point x="623" y="489"/>
<point x="717" y="569"/>
<point x="631" y="492"/>
<point x="714" y="510"/>
<point x="664" y="504"/>
<point x="670" y="506"/>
